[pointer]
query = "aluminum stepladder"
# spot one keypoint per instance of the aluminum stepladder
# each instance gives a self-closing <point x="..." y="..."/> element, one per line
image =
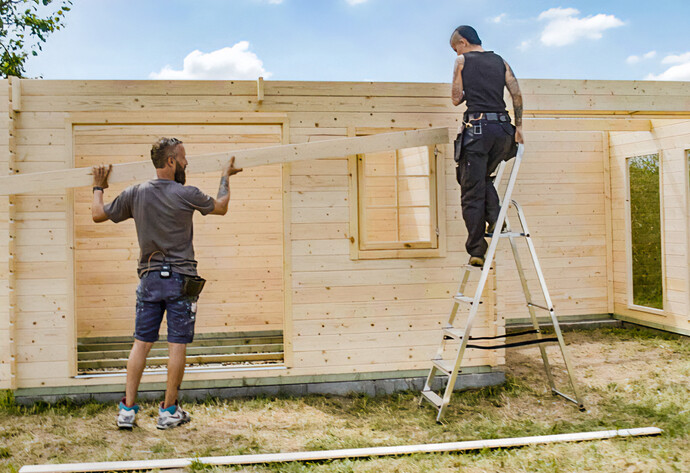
<point x="450" y="333"/>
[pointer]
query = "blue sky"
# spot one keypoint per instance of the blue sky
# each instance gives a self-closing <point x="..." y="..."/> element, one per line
<point x="358" y="40"/>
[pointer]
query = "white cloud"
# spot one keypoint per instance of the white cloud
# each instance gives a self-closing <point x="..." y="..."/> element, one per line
<point x="635" y="59"/>
<point x="236" y="62"/>
<point x="498" y="19"/>
<point x="676" y="58"/>
<point x="679" y="71"/>
<point x="525" y="45"/>
<point x="356" y="2"/>
<point x="564" y="27"/>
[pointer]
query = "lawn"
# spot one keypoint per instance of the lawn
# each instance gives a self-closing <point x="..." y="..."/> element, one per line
<point x="630" y="378"/>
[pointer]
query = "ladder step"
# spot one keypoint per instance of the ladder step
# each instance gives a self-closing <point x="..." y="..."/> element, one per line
<point x="469" y="267"/>
<point x="507" y="234"/>
<point x="455" y="333"/>
<point x="445" y="366"/>
<point x="529" y="304"/>
<point x="433" y="398"/>
<point x="461" y="298"/>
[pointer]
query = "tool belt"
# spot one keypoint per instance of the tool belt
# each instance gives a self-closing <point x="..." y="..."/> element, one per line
<point x="474" y="121"/>
<point x="488" y="116"/>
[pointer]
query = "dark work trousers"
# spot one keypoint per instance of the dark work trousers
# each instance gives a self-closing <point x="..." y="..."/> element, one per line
<point x="483" y="149"/>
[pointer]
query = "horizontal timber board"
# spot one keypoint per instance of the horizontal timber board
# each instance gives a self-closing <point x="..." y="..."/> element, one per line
<point x="246" y="158"/>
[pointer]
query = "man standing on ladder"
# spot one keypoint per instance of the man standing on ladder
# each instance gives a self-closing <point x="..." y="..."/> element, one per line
<point x="162" y="210"/>
<point x="487" y="136"/>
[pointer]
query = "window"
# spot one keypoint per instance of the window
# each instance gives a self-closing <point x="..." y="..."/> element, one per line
<point x="397" y="201"/>
<point x="645" y="231"/>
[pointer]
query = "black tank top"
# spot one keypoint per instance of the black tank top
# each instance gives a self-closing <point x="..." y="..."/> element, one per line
<point x="483" y="79"/>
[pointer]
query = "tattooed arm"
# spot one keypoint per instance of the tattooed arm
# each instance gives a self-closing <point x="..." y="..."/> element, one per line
<point x="514" y="89"/>
<point x="457" y="93"/>
<point x="223" y="198"/>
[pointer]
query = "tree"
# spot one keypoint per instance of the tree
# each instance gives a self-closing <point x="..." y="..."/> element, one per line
<point x="24" y="27"/>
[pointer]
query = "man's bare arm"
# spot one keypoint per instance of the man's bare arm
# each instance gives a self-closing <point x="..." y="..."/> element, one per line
<point x="100" y="179"/>
<point x="457" y="93"/>
<point x="514" y="89"/>
<point x="220" y="204"/>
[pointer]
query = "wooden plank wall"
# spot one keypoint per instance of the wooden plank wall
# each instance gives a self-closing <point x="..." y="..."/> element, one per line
<point x="348" y="316"/>
<point x="5" y="355"/>
<point x="45" y="335"/>
<point x="561" y="190"/>
<point x="671" y="139"/>
<point x="364" y="315"/>
<point x="239" y="254"/>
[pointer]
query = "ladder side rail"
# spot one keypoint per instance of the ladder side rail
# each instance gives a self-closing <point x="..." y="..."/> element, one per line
<point x="549" y="304"/>
<point x="499" y="176"/>
<point x="532" y="313"/>
<point x="533" y="254"/>
<point x="482" y="280"/>
<point x="488" y="260"/>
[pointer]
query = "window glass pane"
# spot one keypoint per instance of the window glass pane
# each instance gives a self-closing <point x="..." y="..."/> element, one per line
<point x="380" y="192"/>
<point x="413" y="161"/>
<point x="413" y="191"/>
<point x="645" y="226"/>
<point x="382" y="225"/>
<point x="415" y="224"/>
<point x="395" y="200"/>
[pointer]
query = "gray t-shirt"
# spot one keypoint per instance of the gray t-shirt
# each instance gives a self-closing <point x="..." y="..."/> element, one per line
<point x="162" y="210"/>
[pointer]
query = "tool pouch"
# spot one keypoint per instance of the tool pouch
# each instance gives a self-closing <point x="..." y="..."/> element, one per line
<point x="457" y="146"/>
<point x="193" y="285"/>
<point x="512" y="152"/>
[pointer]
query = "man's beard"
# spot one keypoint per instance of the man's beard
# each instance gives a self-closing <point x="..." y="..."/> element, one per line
<point x="180" y="175"/>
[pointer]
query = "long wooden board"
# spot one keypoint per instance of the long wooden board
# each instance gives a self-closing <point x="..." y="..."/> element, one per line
<point x="333" y="454"/>
<point x="340" y="147"/>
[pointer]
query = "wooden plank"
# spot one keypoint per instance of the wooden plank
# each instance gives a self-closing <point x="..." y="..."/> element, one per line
<point x="335" y="454"/>
<point x="587" y="124"/>
<point x="247" y="158"/>
<point x="16" y="88"/>
<point x="286" y="274"/>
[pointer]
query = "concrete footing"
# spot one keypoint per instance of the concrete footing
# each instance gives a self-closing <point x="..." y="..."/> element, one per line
<point x="369" y="387"/>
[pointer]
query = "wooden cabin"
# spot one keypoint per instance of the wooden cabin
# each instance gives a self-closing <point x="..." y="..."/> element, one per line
<point x="336" y="274"/>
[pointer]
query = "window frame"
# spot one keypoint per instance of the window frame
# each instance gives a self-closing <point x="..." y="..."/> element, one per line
<point x="392" y="250"/>
<point x="686" y="166"/>
<point x="628" y="239"/>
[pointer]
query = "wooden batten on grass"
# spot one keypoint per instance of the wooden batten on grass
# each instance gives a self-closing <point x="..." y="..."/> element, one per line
<point x="325" y="455"/>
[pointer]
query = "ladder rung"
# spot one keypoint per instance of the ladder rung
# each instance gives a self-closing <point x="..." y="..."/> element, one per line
<point x="530" y="304"/>
<point x="446" y="366"/>
<point x="461" y="298"/>
<point x="433" y="398"/>
<point x="469" y="267"/>
<point x="512" y="234"/>
<point x="455" y="333"/>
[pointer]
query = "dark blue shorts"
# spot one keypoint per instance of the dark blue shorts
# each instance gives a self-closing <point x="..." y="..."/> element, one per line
<point x="155" y="296"/>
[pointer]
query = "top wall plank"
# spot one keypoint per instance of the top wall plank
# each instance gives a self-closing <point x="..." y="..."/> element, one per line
<point x="36" y="87"/>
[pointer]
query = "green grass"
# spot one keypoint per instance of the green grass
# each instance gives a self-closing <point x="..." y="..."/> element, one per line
<point x="635" y="378"/>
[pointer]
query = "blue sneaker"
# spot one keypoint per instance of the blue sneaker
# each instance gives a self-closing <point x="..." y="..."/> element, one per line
<point x="126" y="418"/>
<point x="172" y="416"/>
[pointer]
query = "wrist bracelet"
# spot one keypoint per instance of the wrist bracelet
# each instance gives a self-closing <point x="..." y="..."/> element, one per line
<point x="97" y="188"/>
